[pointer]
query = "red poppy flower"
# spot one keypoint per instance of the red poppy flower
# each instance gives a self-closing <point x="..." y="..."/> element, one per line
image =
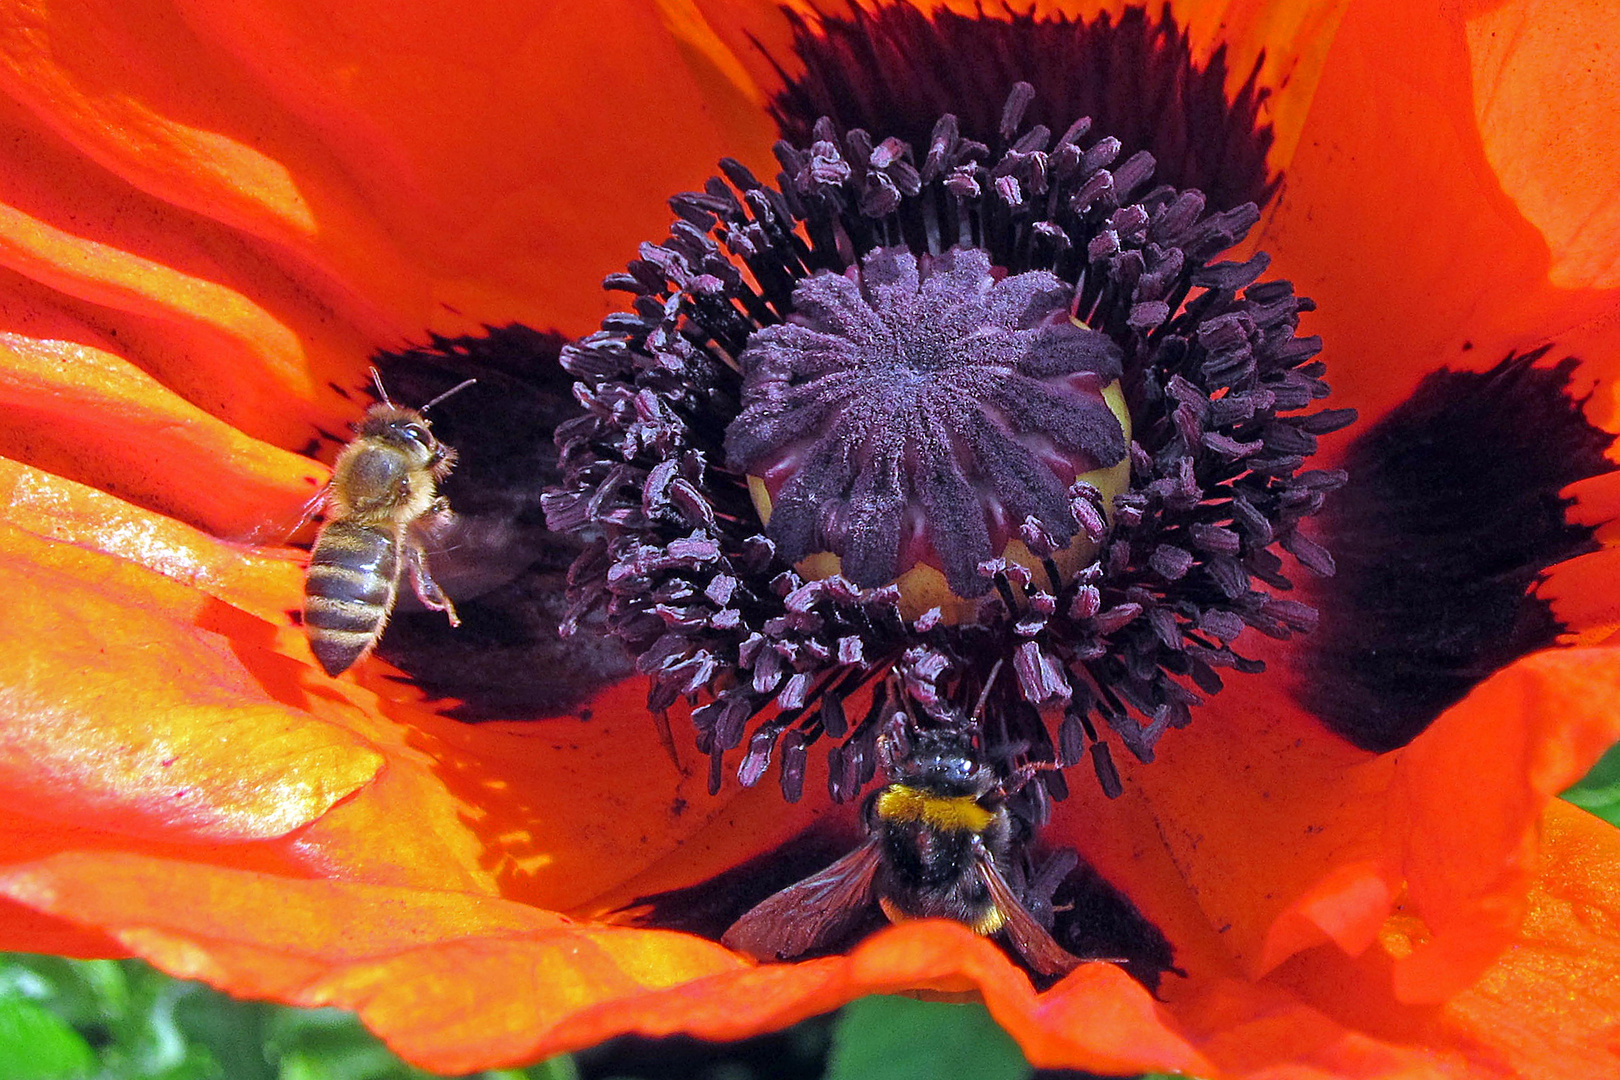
<point x="214" y="215"/>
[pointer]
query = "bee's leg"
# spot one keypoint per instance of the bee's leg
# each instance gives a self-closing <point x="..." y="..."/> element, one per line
<point x="437" y="519"/>
<point x="427" y="590"/>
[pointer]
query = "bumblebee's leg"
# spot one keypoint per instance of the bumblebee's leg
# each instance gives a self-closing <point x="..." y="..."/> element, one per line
<point x="427" y="590"/>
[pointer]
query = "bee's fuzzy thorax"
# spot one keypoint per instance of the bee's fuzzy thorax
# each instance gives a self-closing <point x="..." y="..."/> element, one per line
<point x="382" y="505"/>
<point x="904" y="803"/>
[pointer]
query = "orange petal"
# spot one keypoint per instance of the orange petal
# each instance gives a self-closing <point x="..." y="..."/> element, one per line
<point x="255" y="349"/>
<point x="431" y="167"/>
<point x="235" y="326"/>
<point x="550" y="812"/>
<point x="1550" y="1006"/>
<point x="1545" y="107"/>
<point x="1546" y="1007"/>
<point x="456" y="982"/>
<point x="1264" y="1032"/>
<point x="1392" y="218"/>
<point x="1286" y="839"/>
<point x="130" y="709"/>
<point x="510" y="984"/>
<point x="52" y="508"/>
<point x="94" y="418"/>
<point x="518" y="175"/>
<point x="1468" y="807"/>
<point x="1273" y="828"/>
<point x="200" y="138"/>
<point x="23" y="929"/>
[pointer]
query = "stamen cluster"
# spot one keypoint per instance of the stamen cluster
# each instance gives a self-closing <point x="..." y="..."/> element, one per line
<point x="1214" y="375"/>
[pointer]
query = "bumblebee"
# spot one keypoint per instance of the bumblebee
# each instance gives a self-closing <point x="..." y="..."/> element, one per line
<point x="939" y="844"/>
<point x="382" y="509"/>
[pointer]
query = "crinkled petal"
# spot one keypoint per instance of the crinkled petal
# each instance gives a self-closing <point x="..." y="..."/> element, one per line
<point x="1550" y="1005"/>
<point x="1550" y="128"/>
<point x="1392" y="217"/>
<point x="95" y="418"/>
<point x="1449" y="823"/>
<point x="554" y="812"/>
<point x="56" y="509"/>
<point x="132" y="710"/>
<point x="168" y="697"/>
<point x="211" y="313"/>
<point x="511" y="984"/>
<point x="1546" y="1007"/>
<point x="426" y="166"/>
<point x="1468" y="805"/>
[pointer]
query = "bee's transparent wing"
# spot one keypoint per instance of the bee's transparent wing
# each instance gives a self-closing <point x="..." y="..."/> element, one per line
<point x="810" y="914"/>
<point x="283" y="528"/>
<point x="1038" y="948"/>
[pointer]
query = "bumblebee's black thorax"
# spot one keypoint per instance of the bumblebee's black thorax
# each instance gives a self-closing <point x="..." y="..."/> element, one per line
<point x="926" y="857"/>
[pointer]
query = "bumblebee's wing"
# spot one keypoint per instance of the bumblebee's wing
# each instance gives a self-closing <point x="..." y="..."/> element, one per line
<point x="812" y="913"/>
<point x="1038" y="948"/>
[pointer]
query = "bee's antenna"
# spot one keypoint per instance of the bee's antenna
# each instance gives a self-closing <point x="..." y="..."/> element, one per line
<point x="984" y="695"/>
<point x="453" y="390"/>
<point x="382" y="391"/>
<point x="901" y="697"/>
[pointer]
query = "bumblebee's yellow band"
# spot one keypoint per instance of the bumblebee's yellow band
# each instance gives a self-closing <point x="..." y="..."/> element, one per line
<point x="946" y="813"/>
<point x="991" y="921"/>
<point x="985" y="925"/>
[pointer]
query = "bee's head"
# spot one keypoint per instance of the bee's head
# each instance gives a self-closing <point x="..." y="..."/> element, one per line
<point x="404" y="429"/>
<point x="944" y="762"/>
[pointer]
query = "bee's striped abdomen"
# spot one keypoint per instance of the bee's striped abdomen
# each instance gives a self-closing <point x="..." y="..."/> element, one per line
<point x="349" y="591"/>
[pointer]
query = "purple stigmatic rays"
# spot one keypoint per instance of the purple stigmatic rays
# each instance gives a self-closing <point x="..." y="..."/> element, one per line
<point x="923" y="411"/>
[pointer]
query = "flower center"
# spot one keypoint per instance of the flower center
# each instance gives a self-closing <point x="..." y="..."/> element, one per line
<point x="916" y="360"/>
<point x="926" y="411"/>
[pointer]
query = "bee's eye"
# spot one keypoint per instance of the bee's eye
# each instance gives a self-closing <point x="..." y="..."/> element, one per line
<point x="417" y="434"/>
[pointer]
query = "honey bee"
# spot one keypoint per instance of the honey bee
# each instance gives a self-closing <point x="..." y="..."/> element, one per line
<point x="939" y="840"/>
<point x="382" y="508"/>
